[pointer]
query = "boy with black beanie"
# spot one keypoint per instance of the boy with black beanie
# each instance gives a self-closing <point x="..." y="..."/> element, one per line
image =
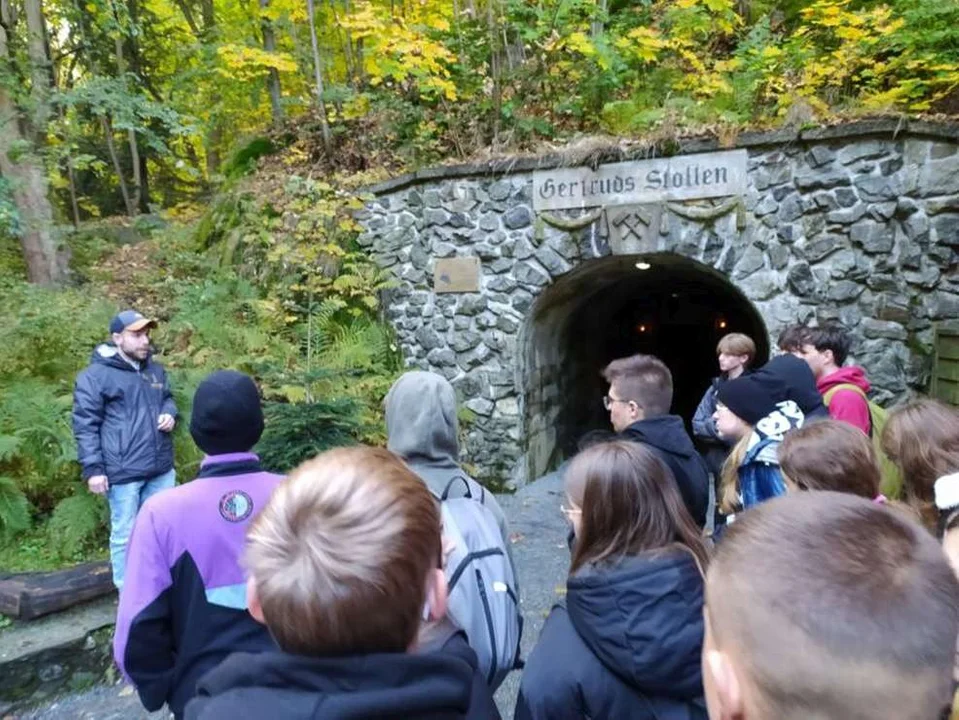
<point x="183" y="605"/>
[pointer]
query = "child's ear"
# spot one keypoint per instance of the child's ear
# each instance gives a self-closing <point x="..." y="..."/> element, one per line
<point x="437" y="594"/>
<point x="253" y="602"/>
<point x="728" y="692"/>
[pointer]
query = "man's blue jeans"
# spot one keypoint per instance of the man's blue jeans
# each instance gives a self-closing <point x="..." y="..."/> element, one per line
<point x="125" y="502"/>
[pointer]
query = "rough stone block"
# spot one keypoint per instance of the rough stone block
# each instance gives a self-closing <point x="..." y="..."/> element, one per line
<point x="517" y="218"/>
<point x="778" y="256"/>
<point x="815" y="249"/>
<point x="471" y="304"/>
<point x="800" y="280"/>
<point x="528" y="274"/>
<point x="863" y="151"/>
<point x="436" y="216"/>
<point x="481" y="406"/>
<point x="875" y="188"/>
<point x="872" y="329"/>
<point x="552" y="261"/>
<point x="751" y="261"/>
<point x="882" y="211"/>
<point x="846" y="216"/>
<point x="820" y="155"/>
<point x="441" y="357"/>
<point x="947" y="229"/>
<point x="844" y="290"/>
<point x="489" y="222"/>
<point x="941" y="305"/>
<point x="872" y="236"/>
<point x="829" y="178"/>
<point x="939" y="177"/>
<point x="934" y="206"/>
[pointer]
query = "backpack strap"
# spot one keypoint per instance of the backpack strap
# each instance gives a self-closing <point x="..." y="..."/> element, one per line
<point x="828" y="395"/>
<point x="446" y="491"/>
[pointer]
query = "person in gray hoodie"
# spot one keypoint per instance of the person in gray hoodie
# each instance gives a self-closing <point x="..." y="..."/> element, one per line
<point x="422" y="428"/>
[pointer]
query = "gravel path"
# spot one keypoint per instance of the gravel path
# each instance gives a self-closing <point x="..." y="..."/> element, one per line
<point x="542" y="559"/>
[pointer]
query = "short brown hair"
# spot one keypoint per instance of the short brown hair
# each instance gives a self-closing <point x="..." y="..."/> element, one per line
<point x="630" y="504"/>
<point x="922" y="437"/>
<point x="792" y="338"/>
<point x="340" y="555"/>
<point x="831" y="455"/>
<point x="835" y="607"/>
<point x="645" y="380"/>
<point x="737" y="344"/>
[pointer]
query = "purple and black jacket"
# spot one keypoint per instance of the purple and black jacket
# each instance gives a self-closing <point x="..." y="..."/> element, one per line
<point x="183" y="605"/>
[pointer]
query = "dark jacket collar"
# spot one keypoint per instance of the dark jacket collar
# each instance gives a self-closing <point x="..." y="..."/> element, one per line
<point x="429" y="685"/>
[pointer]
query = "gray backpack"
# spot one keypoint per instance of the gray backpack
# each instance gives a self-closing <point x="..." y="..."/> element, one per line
<point x="483" y="599"/>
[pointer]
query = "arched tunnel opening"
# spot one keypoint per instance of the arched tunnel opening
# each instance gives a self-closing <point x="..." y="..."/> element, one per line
<point x="659" y="304"/>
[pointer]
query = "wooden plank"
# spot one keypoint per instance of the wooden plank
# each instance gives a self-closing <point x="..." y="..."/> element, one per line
<point x="948" y="347"/>
<point x="30" y="595"/>
<point x="946" y="390"/>
<point x="948" y="370"/>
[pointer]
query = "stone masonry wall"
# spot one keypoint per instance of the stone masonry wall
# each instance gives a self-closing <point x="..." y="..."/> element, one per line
<point x="859" y="223"/>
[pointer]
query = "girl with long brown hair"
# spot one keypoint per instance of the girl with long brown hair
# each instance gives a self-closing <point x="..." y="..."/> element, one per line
<point x="922" y="438"/>
<point x="628" y="642"/>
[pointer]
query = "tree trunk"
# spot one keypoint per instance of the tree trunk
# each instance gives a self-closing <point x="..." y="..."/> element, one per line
<point x="39" y="68"/>
<point x="46" y="264"/>
<point x="318" y="74"/>
<point x="495" y="70"/>
<point x="598" y="24"/>
<point x="132" y="201"/>
<point x="108" y="132"/>
<point x="273" y="79"/>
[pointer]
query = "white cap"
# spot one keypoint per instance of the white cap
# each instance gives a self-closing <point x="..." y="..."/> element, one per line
<point x="947" y="491"/>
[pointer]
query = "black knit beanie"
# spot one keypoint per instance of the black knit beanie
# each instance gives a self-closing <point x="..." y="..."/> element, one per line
<point x="747" y="398"/>
<point x="227" y="416"/>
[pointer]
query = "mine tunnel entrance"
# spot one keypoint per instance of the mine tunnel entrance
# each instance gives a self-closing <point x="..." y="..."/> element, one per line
<point x="661" y="304"/>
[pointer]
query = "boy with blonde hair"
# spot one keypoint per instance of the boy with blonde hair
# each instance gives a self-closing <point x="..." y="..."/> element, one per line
<point x="828" y="606"/>
<point x="345" y="571"/>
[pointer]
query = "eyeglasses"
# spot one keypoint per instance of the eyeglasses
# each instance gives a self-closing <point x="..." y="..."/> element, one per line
<point x="568" y="511"/>
<point x="608" y="401"/>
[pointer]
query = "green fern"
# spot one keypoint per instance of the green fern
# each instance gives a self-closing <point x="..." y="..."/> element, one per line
<point x="77" y="521"/>
<point x="14" y="508"/>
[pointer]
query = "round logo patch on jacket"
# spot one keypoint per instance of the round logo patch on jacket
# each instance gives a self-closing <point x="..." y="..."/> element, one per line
<point x="236" y="506"/>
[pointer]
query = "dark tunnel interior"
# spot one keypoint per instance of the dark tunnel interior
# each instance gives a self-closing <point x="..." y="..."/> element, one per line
<point x="663" y="305"/>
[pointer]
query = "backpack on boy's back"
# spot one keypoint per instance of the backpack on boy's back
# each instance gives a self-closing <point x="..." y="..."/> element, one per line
<point x="891" y="483"/>
<point x="483" y="592"/>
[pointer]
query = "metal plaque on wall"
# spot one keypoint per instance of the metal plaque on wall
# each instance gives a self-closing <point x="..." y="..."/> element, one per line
<point x="457" y="275"/>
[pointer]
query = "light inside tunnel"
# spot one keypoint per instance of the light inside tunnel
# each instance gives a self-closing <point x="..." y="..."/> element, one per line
<point x="603" y="310"/>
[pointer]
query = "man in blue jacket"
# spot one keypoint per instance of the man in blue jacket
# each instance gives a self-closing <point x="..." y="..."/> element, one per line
<point x="123" y="414"/>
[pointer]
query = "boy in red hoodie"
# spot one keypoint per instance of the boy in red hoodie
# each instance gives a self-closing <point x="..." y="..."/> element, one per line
<point x="825" y="350"/>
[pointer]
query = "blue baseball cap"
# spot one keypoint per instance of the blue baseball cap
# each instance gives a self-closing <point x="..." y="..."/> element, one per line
<point x="130" y="320"/>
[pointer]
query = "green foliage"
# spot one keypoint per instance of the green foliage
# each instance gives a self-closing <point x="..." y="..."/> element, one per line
<point x="14" y="507"/>
<point x="244" y="159"/>
<point x="298" y="431"/>
<point x="78" y="522"/>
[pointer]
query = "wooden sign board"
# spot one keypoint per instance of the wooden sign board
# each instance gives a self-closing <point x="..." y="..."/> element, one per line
<point x="457" y="275"/>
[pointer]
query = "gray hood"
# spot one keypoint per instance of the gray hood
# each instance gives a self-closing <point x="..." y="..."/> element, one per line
<point x="421" y="419"/>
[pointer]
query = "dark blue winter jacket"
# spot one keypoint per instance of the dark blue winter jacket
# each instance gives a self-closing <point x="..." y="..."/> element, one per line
<point x="115" y="411"/>
<point x="438" y="684"/>
<point x="667" y="437"/>
<point x="626" y="646"/>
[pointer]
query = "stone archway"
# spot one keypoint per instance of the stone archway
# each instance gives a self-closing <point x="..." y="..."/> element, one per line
<point x="660" y="303"/>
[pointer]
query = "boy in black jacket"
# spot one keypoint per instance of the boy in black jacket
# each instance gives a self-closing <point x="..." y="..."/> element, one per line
<point x="345" y="571"/>
<point x="639" y="398"/>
